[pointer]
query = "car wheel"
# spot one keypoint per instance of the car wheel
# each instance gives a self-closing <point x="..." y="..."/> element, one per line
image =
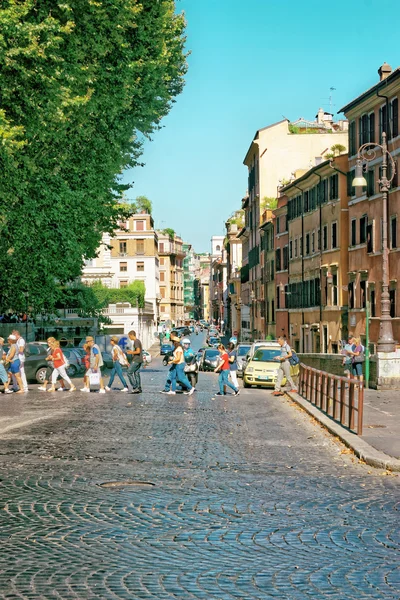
<point x="41" y="374"/>
<point x="245" y="384"/>
<point x="72" y="371"/>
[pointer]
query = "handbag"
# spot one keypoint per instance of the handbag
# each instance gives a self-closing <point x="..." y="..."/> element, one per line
<point x="357" y="360"/>
<point x="94" y="378"/>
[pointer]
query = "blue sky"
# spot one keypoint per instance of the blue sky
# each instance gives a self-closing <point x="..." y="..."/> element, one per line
<point x="252" y="62"/>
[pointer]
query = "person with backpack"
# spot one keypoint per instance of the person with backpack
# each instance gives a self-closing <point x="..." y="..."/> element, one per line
<point x="284" y="367"/>
<point x="119" y="361"/>
<point x="96" y="362"/>
<point x="58" y="359"/>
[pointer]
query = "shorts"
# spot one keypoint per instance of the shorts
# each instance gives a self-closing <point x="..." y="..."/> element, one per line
<point x="356" y="369"/>
<point x="15" y="366"/>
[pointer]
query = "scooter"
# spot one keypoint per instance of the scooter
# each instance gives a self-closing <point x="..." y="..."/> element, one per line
<point x="192" y="370"/>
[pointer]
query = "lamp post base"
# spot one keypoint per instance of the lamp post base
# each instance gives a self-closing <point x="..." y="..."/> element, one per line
<point x="388" y="371"/>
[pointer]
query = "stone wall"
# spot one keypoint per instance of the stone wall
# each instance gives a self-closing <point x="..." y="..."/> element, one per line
<point x="332" y="363"/>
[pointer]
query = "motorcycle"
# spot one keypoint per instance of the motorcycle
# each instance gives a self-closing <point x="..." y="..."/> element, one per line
<point x="192" y="369"/>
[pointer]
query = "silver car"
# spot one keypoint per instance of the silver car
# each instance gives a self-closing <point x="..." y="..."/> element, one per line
<point x="242" y="350"/>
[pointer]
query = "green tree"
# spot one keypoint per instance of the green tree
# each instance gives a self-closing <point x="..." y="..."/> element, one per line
<point x="169" y="232"/>
<point x="82" y="83"/>
<point x="268" y="203"/>
<point x="142" y="203"/>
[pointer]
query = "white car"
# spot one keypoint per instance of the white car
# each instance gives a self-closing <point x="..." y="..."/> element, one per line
<point x="146" y="357"/>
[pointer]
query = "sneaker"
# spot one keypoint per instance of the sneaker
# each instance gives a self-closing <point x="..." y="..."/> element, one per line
<point x="219" y="394"/>
<point x="72" y="389"/>
<point x="277" y="393"/>
<point x="8" y="392"/>
<point x="292" y="391"/>
<point x="51" y="389"/>
<point x="42" y="388"/>
<point x="123" y="390"/>
<point x="85" y="389"/>
<point x="136" y="391"/>
<point x="237" y="392"/>
<point x="60" y="389"/>
<point x="170" y="393"/>
<point x="190" y="392"/>
<point x="102" y="391"/>
<point x="107" y="389"/>
<point x="164" y="391"/>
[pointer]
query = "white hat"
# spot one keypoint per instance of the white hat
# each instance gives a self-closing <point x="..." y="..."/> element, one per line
<point x="12" y="337"/>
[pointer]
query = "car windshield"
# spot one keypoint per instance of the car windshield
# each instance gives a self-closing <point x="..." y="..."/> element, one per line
<point x="213" y="340"/>
<point x="243" y="350"/>
<point x="265" y="354"/>
<point x="211" y="353"/>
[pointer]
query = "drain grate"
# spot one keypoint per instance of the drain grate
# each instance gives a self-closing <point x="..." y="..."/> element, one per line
<point x="126" y="483"/>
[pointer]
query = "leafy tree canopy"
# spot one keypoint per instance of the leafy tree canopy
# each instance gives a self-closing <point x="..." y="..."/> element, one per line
<point x="169" y="232"/>
<point x="82" y="83"/>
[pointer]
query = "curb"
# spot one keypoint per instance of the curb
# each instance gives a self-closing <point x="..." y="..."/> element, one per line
<point x="361" y="448"/>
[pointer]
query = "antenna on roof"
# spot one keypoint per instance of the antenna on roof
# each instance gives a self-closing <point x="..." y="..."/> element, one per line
<point x="331" y="105"/>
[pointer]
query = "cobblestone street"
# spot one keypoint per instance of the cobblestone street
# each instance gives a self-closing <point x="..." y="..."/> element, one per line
<point x="248" y="499"/>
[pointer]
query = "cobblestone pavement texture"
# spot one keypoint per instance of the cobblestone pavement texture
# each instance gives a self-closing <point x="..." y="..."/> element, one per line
<point x="251" y="500"/>
<point x="382" y="421"/>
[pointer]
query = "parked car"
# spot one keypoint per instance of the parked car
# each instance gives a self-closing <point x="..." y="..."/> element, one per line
<point x="191" y="328"/>
<point x="146" y="357"/>
<point x="213" y="342"/>
<point x="242" y="350"/>
<point x="35" y="361"/>
<point x="209" y="360"/>
<point x="199" y="355"/>
<point x="165" y="348"/>
<point x="262" y="370"/>
<point x="75" y="361"/>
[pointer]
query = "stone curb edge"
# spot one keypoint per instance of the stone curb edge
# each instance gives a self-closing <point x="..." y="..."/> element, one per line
<point x="360" y="447"/>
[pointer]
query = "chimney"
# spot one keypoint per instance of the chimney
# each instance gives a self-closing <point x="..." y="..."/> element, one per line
<point x="384" y="71"/>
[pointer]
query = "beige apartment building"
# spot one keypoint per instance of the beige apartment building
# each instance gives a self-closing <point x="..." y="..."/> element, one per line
<point x="373" y="112"/>
<point x="315" y="295"/>
<point x="275" y="152"/>
<point x="171" y="279"/>
<point x="131" y="255"/>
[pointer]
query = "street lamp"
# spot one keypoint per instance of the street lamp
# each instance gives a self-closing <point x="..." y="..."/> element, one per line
<point x="366" y="153"/>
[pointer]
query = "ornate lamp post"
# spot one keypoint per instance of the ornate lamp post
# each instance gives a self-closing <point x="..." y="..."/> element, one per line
<point x="366" y="153"/>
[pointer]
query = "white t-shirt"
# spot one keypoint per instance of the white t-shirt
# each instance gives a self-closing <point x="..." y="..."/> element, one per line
<point x="21" y="349"/>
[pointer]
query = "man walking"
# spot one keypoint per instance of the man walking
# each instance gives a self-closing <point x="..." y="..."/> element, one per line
<point x="284" y="368"/>
<point x="21" y="355"/>
<point x="96" y="362"/>
<point x="137" y="360"/>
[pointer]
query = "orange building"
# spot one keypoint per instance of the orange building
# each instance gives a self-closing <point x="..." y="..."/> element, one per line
<point x="372" y="113"/>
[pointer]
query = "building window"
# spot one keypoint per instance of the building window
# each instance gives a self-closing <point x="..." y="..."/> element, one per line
<point x="363" y="294"/>
<point x="295" y="248"/>
<point x="363" y="229"/>
<point x="394" y="117"/>
<point x="285" y="258"/>
<point x="393" y="232"/>
<point x="350" y="177"/>
<point x="290" y="249"/>
<point x="162" y="261"/>
<point x="371" y="127"/>
<point x="278" y="259"/>
<point x="334" y="235"/>
<point x="123" y="283"/>
<point x="392" y="295"/>
<point x="273" y="311"/>
<point x="351" y="294"/>
<point x="161" y="249"/>
<point x="162" y="276"/>
<point x="325" y="237"/>
<point x="319" y="239"/>
<point x="372" y="302"/>
<point x="307" y="244"/>
<point x="383" y="122"/>
<point x="335" y="295"/>
<point x="122" y="248"/>
<point x="334" y="187"/>
<point x="123" y="266"/>
<point x="140" y="266"/>
<point x="353" y="232"/>
<point x="162" y="292"/>
<point x="277" y="224"/>
<point x="218" y="248"/>
<point x="140" y="225"/>
<point x="370" y="177"/>
<point x="370" y="237"/>
<point x="162" y="308"/>
<point x="352" y="138"/>
<point x="139" y="246"/>
<point x="278" y="297"/>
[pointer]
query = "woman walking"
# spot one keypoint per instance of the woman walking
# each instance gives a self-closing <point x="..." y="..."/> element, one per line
<point x="57" y="357"/>
<point x="3" y="372"/>
<point x="232" y="354"/>
<point x="224" y="370"/>
<point x="119" y="360"/>
<point x="14" y="365"/>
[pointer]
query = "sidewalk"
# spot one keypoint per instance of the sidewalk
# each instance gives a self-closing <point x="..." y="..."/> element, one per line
<point x="379" y="445"/>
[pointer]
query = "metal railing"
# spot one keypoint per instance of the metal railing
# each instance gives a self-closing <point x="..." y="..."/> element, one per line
<point x="338" y="397"/>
